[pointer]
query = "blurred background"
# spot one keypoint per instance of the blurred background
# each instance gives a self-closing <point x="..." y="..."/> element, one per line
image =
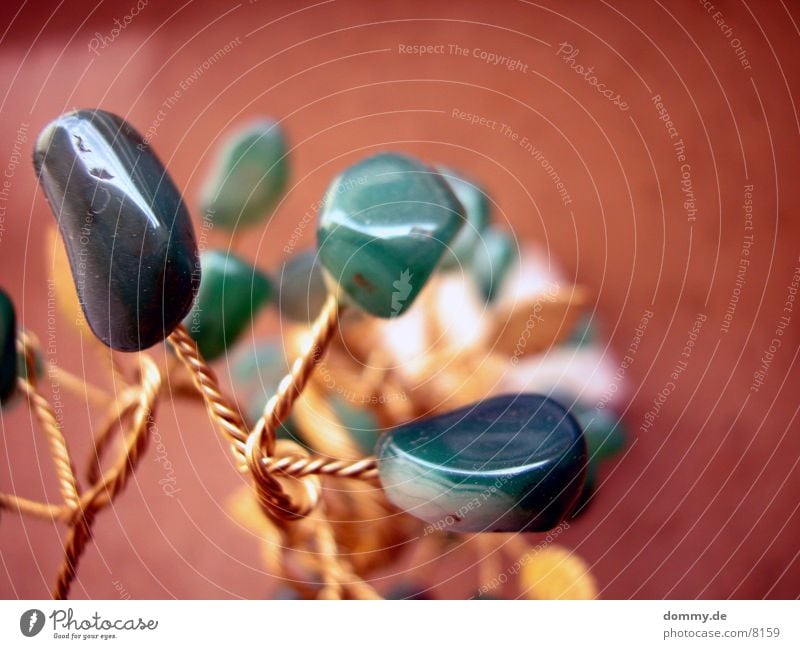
<point x="691" y="108"/>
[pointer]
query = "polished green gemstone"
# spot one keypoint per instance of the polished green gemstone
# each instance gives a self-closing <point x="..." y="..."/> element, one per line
<point x="126" y="230"/>
<point x="231" y="294"/>
<point x="476" y="206"/>
<point x="302" y="291"/>
<point x="249" y="177"/>
<point x="8" y="348"/>
<point x="585" y="332"/>
<point x="361" y="424"/>
<point x="506" y="464"/>
<point x="494" y="255"/>
<point x="605" y="438"/>
<point x="409" y="590"/>
<point x="256" y="370"/>
<point x="385" y="224"/>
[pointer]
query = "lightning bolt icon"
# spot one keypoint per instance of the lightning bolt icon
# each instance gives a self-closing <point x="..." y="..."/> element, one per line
<point x="32" y="620"/>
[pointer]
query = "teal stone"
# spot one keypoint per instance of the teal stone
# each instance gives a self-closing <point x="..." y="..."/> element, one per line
<point x="507" y="464"/>
<point x="302" y="291"/>
<point x="605" y="437"/>
<point x="494" y="255"/>
<point x="231" y="294"/>
<point x="361" y="424"/>
<point x="409" y="590"/>
<point x="250" y="175"/>
<point x="126" y="230"/>
<point x="477" y="209"/>
<point x="256" y="371"/>
<point x="385" y="224"/>
<point x="585" y="333"/>
<point x="8" y="348"/>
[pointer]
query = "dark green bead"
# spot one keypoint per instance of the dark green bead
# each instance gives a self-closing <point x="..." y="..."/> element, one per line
<point x="127" y="232"/>
<point x="409" y="591"/>
<point x="231" y="294"/>
<point x="385" y="224"/>
<point x="585" y="332"/>
<point x="361" y="423"/>
<point x="8" y="348"/>
<point x="302" y="290"/>
<point x="256" y="371"/>
<point x="494" y="254"/>
<point x="506" y="464"/>
<point x="249" y="177"/>
<point x="605" y="435"/>
<point x="476" y="206"/>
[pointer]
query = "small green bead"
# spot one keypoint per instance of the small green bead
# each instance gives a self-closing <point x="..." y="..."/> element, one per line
<point x="361" y="423"/>
<point x="302" y="290"/>
<point x="585" y="332"/>
<point x="256" y="371"/>
<point x="384" y="226"/>
<point x="605" y="434"/>
<point x="8" y="348"/>
<point x="507" y="464"/>
<point x="250" y="176"/>
<point x="494" y="255"/>
<point x="231" y="294"/>
<point x="477" y="208"/>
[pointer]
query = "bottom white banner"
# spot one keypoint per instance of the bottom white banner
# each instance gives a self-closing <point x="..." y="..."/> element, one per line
<point x="303" y="624"/>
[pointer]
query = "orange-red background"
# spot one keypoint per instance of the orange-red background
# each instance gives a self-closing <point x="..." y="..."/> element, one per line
<point x="705" y="503"/>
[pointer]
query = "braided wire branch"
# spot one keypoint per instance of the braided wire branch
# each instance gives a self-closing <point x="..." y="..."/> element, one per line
<point x="65" y="469"/>
<point x="298" y="467"/>
<point x="278" y="408"/>
<point x="114" y="480"/>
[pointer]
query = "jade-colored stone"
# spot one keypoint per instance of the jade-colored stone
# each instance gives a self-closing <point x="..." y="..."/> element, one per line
<point x="231" y="294"/>
<point x="361" y="424"/>
<point x="494" y="255"/>
<point x="507" y="464"/>
<point x="302" y="291"/>
<point x="256" y="370"/>
<point x="126" y="230"/>
<point x="8" y="348"/>
<point x="385" y="224"/>
<point x="605" y="437"/>
<point x="477" y="209"/>
<point x="585" y="332"/>
<point x="409" y="590"/>
<point x="250" y="175"/>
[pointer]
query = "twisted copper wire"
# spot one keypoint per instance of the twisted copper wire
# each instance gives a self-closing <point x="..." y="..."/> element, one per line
<point x="271" y="494"/>
<point x="113" y="481"/>
<point x="65" y="469"/>
<point x="225" y="414"/>
<point x="297" y="467"/>
<point x="291" y="386"/>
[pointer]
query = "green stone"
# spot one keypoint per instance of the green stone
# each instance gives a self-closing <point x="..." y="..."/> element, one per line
<point x="361" y="424"/>
<point x="385" y="224"/>
<point x="126" y="230"/>
<point x="250" y="175"/>
<point x="409" y="590"/>
<point x="605" y="438"/>
<point x="493" y="257"/>
<point x="231" y="294"/>
<point x="8" y="348"/>
<point x="477" y="208"/>
<point x="302" y="290"/>
<point x="256" y="371"/>
<point x="507" y="464"/>
<point x="585" y="332"/>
